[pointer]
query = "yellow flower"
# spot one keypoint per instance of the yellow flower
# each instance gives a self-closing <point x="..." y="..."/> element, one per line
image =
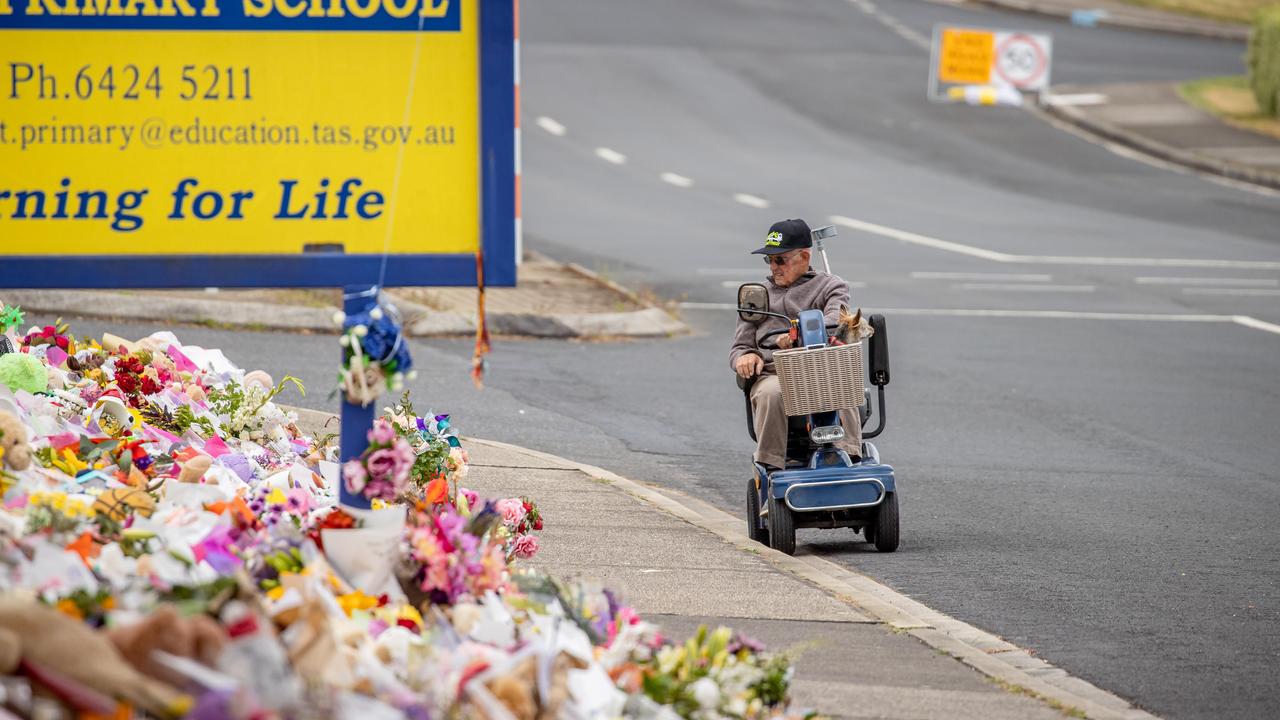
<point x="277" y="497"/>
<point x="69" y="463"/>
<point x="67" y="607"/>
<point x="356" y="600"/>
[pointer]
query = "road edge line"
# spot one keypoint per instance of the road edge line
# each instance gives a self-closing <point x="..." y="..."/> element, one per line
<point x="986" y="653"/>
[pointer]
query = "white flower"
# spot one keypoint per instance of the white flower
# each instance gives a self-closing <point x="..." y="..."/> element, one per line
<point x="707" y="693"/>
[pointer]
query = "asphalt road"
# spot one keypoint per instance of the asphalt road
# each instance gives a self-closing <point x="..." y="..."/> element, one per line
<point x="1097" y="483"/>
<point x="1097" y="487"/>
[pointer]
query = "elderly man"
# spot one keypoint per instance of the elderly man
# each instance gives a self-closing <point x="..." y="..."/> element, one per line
<point x="793" y="286"/>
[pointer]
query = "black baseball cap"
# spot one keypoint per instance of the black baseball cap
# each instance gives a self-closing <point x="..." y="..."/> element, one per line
<point x="785" y="236"/>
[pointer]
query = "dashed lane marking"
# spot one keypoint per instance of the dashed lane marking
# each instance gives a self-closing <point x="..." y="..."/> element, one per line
<point x="610" y="155"/>
<point x="551" y="126"/>
<point x="676" y="179"/>
<point x="751" y="200"/>
<point x="1235" y="282"/>
<point x="1010" y="277"/>
<point x="1234" y="292"/>
<point x="1016" y="287"/>
<point x="853" y="284"/>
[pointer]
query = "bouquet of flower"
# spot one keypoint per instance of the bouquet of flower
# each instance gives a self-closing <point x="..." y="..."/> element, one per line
<point x="382" y="470"/>
<point x="450" y="558"/>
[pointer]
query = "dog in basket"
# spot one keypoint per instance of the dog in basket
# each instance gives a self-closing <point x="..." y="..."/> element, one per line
<point x="850" y="328"/>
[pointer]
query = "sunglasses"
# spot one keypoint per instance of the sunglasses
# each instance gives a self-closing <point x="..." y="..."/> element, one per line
<point x="782" y="259"/>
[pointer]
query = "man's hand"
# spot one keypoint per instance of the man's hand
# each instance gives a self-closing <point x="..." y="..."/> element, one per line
<point x="784" y="342"/>
<point x="749" y="365"/>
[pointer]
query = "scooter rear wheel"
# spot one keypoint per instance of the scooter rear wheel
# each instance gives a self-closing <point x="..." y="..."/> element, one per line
<point x="782" y="527"/>
<point x="755" y="530"/>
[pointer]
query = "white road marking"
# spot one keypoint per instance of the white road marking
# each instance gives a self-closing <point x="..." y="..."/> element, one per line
<point x="995" y="256"/>
<point x="729" y="271"/>
<point x="751" y="200"/>
<point x="853" y="285"/>
<point x="551" y="126"/>
<point x="1015" y="287"/>
<point x="1078" y="99"/>
<point x="1237" y="282"/>
<point x="1238" y="292"/>
<point x="610" y="155"/>
<point x="677" y="180"/>
<point x="1256" y="324"/>
<point x="1011" y="277"/>
<point x="1038" y="314"/>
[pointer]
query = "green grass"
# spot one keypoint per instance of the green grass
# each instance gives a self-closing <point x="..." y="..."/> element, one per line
<point x="1231" y="99"/>
<point x="1238" y="11"/>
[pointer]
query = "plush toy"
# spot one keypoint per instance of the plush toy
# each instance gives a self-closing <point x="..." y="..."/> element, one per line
<point x="119" y="503"/>
<point x="45" y="638"/>
<point x="198" y="637"/>
<point x="259" y="378"/>
<point x="194" y="469"/>
<point x="21" y="371"/>
<point x="14" y="450"/>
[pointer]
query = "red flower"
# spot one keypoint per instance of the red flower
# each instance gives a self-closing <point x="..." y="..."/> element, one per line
<point x="149" y="386"/>
<point x="537" y="524"/>
<point x="62" y="342"/>
<point x="127" y="383"/>
<point x="407" y="624"/>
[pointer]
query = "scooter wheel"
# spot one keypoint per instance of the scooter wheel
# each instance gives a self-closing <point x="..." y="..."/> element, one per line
<point x="782" y="527"/>
<point x="886" y="531"/>
<point x="755" y="530"/>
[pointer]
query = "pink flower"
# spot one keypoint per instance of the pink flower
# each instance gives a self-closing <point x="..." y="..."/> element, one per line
<point x="512" y="510"/>
<point x="354" y="476"/>
<point x="526" y="546"/>
<point x="382" y="433"/>
<point x="388" y="465"/>
<point x="473" y="497"/>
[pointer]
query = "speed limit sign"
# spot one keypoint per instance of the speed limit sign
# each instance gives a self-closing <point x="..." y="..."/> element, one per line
<point x="1022" y="60"/>
<point x="998" y="65"/>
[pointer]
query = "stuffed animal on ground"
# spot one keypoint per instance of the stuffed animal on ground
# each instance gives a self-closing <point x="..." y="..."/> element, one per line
<point x="194" y="469"/>
<point x="852" y="328"/>
<point x="41" y="637"/>
<point x="15" y="453"/>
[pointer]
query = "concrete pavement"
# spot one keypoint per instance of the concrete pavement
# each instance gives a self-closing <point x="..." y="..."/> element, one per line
<point x="1155" y="119"/>
<point x="864" y="649"/>
<point x="1117" y="13"/>
<point x="551" y="299"/>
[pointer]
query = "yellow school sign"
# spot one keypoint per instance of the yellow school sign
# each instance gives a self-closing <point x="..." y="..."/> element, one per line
<point x="967" y="57"/>
<point x="256" y="128"/>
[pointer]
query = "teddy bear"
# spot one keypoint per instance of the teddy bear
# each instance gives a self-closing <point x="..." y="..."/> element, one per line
<point x="15" y="453"/>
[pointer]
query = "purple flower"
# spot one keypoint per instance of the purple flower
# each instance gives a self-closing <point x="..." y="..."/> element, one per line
<point x="216" y="549"/>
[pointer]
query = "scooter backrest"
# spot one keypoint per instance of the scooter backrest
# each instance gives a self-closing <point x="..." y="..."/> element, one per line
<point x="878" y="351"/>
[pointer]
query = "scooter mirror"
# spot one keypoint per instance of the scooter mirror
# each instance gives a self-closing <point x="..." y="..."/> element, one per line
<point x="753" y="301"/>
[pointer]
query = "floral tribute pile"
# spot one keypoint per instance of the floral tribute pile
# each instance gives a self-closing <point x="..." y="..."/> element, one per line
<point x="171" y="546"/>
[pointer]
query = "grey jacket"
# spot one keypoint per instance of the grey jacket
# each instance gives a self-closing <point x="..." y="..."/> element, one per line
<point x="812" y="291"/>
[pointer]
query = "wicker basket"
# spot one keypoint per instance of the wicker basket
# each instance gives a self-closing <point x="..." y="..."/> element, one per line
<point x="822" y="379"/>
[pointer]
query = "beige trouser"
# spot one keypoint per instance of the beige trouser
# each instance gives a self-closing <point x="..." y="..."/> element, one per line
<point x="771" y="424"/>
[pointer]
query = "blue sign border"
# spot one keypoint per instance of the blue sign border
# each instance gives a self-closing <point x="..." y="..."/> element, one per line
<point x="332" y="269"/>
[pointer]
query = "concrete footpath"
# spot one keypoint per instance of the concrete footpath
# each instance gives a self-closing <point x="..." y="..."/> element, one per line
<point x="1154" y="119"/>
<point x="1117" y="13"/>
<point x="865" y="651"/>
<point x="551" y="299"/>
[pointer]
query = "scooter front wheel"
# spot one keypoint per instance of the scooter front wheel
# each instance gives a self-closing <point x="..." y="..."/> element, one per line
<point x="755" y="529"/>
<point x="782" y="527"/>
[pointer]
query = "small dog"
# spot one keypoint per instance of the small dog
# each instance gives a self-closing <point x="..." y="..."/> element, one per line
<point x="852" y="328"/>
